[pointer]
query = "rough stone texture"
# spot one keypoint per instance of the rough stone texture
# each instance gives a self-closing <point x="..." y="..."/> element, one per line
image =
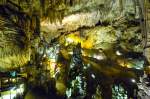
<point x="112" y="15"/>
<point x="147" y="50"/>
<point x="90" y="12"/>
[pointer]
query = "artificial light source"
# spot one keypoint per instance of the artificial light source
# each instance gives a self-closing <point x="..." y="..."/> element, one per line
<point x="69" y="40"/>
<point x="44" y="55"/>
<point x="53" y="65"/>
<point x="5" y="81"/>
<point x="98" y="57"/>
<point x="133" y="80"/>
<point x="93" y="76"/>
<point x="13" y="80"/>
<point x="118" y="53"/>
<point x="70" y="53"/>
<point x="138" y="68"/>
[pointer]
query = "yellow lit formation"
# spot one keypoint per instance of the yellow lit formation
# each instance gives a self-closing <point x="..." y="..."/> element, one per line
<point x="75" y="38"/>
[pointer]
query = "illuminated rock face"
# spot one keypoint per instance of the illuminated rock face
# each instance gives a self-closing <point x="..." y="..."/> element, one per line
<point x="144" y="89"/>
<point x="14" y="50"/>
<point x="93" y="11"/>
<point x="102" y="24"/>
<point x="147" y="43"/>
<point x="109" y="32"/>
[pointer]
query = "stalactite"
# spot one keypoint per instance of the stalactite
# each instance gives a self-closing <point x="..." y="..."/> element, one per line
<point x="121" y="5"/>
<point x="37" y="28"/>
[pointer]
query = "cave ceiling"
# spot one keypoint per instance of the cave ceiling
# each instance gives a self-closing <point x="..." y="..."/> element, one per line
<point x="96" y="24"/>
